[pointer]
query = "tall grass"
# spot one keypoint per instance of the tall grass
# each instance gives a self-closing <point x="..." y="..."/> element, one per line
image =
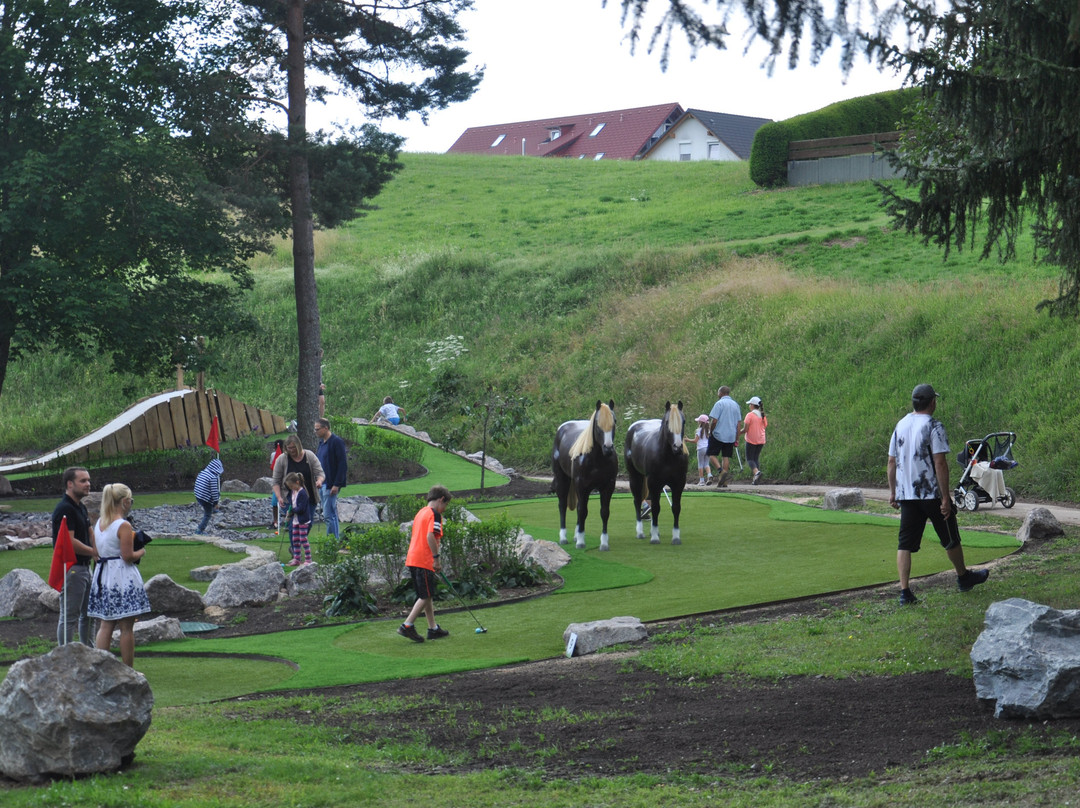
<point x="643" y="282"/>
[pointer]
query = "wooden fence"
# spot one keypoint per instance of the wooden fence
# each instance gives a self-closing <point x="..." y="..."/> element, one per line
<point x="843" y="146"/>
<point x="183" y="420"/>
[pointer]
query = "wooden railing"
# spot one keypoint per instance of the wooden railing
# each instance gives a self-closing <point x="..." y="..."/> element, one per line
<point x="843" y="146"/>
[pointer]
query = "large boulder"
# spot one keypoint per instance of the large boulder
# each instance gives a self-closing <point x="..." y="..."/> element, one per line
<point x="357" y="510"/>
<point x="20" y="594"/>
<point x="236" y="586"/>
<point x="1040" y="523"/>
<point x="234" y="487"/>
<point x="545" y="554"/>
<point x="301" y="580"/>
<point x="157" y="630"/>
<point x="168" y="597"/>
<point x="1027" y="660"/>
<point x="71" y="712"/>
<point x="263" y="485"/>
<point x="602" y="633"/>
<point x="844" y="499"/>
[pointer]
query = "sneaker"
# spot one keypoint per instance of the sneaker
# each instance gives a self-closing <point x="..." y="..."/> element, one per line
<point x="295" y="562"/>
<point x="907" y="597"/>
<point x="971" y="579"/>
<point x="722" y="481"/>
<point x="757" y="478"/>
<point x="701" y="481"/>
<point x="436" y="633"/>
<point x="409" y="632"/>
<point x="646" y="507"/>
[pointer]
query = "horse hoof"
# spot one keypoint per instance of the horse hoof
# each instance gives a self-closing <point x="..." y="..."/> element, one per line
<point x="654" y="541"/>
<point x="641" y="535"/>
<point x="580" y="545"/>
<point x="676" y="541"/>
<point x="604" y="548"/>
<point x="563" y="542"/>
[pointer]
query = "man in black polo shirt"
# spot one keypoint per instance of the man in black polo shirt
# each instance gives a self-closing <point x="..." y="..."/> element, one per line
<point x="76" y="482"/>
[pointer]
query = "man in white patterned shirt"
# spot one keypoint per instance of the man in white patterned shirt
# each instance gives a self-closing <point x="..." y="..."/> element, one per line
<point x="919" y="487"/>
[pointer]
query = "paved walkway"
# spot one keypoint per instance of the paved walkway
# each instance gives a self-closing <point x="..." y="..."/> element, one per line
<point x="1066" y="514"/>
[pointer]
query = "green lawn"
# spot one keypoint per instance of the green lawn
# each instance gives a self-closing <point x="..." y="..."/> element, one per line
<point x="737" y="550"/>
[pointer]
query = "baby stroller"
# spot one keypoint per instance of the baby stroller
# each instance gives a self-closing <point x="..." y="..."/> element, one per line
<point x="983" y="461"/>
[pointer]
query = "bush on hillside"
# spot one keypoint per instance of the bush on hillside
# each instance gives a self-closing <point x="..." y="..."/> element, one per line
<point x="880" y="112"/>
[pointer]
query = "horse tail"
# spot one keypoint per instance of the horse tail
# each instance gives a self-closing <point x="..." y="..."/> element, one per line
<point x="644" y="489"/>
<point x="571" y="497"/>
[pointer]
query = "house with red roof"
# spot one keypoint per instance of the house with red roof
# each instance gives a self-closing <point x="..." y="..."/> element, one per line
<point x="622" y="134"/>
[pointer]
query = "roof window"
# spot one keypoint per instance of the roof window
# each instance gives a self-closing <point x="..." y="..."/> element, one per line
<point x="599" y="156"/>
<point x="497" y="141"/>
<point x="596" y="131"/>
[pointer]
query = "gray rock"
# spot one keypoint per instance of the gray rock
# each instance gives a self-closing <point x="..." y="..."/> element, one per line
<point x="235" y="487"/>
<point x="844" y="499"/>
<point x="168" y="597"/>
<point x="546" y="554"/>
<point x="236" y="586"/>
<point x="71" y="712"/>
<point x="602" y="633"/>
<point x="263" y="485"/>
<point x="357" y="510"/>
<point x="5" y="486"/>
<point x="1040" y="523"/>
<point x="303" y="579"/>
<point x="50" y="599"/>
<point x="207" y="573"/>
<point x="19" y="594"/>
<point x="1027" y="660"/>
<point x="156" y="630"/>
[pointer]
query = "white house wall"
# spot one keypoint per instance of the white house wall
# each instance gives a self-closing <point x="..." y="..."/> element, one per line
<point x="696" y="138"/>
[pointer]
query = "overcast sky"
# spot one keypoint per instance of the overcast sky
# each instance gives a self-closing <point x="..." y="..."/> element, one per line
<point x="569" y="57"/>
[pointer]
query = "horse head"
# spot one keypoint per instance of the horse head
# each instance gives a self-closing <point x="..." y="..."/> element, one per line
<point x="603" y="425"/>
<point x="672" y="426"/>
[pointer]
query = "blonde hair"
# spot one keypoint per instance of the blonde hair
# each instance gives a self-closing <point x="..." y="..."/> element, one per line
<point x="605" y="418"/>
<point x="112" y="503"/>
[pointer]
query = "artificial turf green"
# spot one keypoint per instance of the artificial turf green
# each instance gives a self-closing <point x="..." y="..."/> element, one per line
<point x="737" y="550"/>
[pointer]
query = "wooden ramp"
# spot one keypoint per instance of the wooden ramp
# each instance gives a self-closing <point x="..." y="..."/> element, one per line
<point x="170" y="420"/>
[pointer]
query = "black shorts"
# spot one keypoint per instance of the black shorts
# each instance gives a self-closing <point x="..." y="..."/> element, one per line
<point x="424" y="582"/>
<point x="913" y="516"/>
<point x="719" y="448"/>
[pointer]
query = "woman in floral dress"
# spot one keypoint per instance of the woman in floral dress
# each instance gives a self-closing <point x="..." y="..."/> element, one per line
<point x="117" y="595"/>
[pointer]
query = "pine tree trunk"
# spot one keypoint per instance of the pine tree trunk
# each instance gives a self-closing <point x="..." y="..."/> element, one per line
<point x="309" y="335"/>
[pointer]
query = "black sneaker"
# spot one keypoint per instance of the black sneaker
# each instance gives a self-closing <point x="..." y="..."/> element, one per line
<point x="409" y="632"/>
<point x="437" y="633"/>
<point x="971" y="579"/>
<point x="724" y="479"/>
<point x="907" y="597"/>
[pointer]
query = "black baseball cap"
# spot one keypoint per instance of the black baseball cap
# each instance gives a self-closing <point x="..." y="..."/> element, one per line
<point x="923" y="394"/>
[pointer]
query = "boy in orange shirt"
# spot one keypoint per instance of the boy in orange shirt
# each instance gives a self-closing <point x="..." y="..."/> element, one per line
<point x="422" y="561"/>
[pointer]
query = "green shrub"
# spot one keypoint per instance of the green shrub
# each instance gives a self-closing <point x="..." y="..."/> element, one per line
<point x="880" y="112"/>
<point x="346" y="575"/>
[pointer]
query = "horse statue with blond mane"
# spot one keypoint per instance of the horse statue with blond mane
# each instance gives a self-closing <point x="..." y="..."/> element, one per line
<point x="656" y="458"/>
<point x="583" y="460"/>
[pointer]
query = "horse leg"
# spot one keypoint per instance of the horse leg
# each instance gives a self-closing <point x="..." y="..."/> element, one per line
<point x="635" y="489"/>
<point x="562" y="490"/>
<point x="582" y="514"/>
<point x="605" y="511"/>
<point x="676" y="508"/>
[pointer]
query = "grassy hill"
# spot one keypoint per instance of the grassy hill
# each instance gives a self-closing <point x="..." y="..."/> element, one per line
<point x="568" y="282"/>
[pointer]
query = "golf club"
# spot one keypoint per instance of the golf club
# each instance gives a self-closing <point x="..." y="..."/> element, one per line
<point x="479" y="628"/>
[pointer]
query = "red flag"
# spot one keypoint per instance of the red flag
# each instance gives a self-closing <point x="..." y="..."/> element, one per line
<point x="212" y="439"/>
<point x="63" y="557"/>
<point x="277" y="454"/>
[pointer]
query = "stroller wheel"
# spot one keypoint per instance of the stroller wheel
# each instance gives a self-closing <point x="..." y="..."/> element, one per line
<point x="1009" y="499"/>
<point x="971" y="501"/>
